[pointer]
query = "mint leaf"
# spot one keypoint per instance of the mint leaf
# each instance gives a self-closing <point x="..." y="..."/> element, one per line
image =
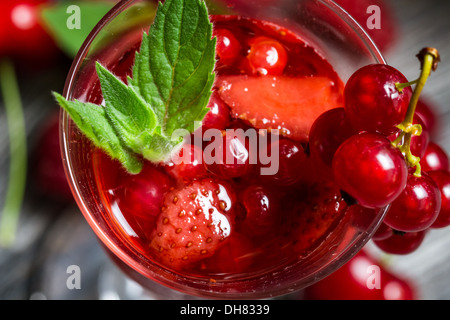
<point x="167" y="94"/>
<point x="133" y="119"/>
<point x="174" y="69"/>
<point x="91" y="119"/>
<point x="57" y="15"/>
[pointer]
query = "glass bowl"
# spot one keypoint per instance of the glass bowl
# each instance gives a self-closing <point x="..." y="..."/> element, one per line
<point x="324" y="25"/>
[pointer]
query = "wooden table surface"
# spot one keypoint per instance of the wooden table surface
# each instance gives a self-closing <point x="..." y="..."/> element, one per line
<point x="54" y="235"/>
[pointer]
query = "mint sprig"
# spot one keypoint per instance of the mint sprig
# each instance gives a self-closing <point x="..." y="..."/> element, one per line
<point x="168" y="91"/>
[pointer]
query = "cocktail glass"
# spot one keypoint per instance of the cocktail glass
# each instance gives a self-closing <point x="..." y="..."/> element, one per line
<point x="325" y="26"/>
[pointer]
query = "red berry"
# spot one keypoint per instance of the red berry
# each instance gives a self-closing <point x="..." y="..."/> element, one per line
<point x="22" y="33"/>
<point x="419" y="144"/>
<point x="401" y="243"/>
<point x="370" y="169"/>
<point x="426" y="112"/>
<point x="383" y="232"/>
<point x="442" y="179"/>
<point x="417" y="207"/>
<point x="48" y="170"/>
<point x="194" y="222"/>
<point x="261" y="207"/>
<point x="291" y="162"/>
<point x="228" y="47"/>
<point x="435" y="158"/>
<point x="372" y="101"/>
<point x="385" y="36"/>
<point x="231" y="156"/>
<point x="142" y="194"/>
<point x="219" y="115"/>
<point x="266" y="56"/>
<point x="327" y="133"/>
<point x="358" y="280"/>
<point x="188" y="164"/>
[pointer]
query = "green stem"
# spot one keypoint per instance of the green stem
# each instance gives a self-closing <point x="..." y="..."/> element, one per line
<point x="426" y="71"/>
<point x="401" y="86"/>
<point x="429" y="58"/>
<point x="18" y="153"/>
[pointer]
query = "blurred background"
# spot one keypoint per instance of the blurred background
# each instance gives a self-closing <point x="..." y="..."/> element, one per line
<point x="52" y="235"/>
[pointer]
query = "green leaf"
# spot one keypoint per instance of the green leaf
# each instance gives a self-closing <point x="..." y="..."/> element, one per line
<point x="167" y="94"/>
<point x="91" y="119"/>
<point x="174" y="69"/>
<point x="57" y="19"/>
<point x="130" y="115"/>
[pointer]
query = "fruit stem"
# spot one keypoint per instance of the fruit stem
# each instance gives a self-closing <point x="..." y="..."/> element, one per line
<point x="429" y="58"/>
<point x="401" y="86"/>
<point x="18" y="153"/>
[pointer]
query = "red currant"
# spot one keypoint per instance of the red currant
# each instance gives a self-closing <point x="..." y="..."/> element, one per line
<point x="372" y="100"/>
<point x="383" y="232"/>
<point x="22" y="33"/>
<point x="419" y="144"/>
<point x="401" y="242"/>
<point x="435" y="158"/>
<point x="231" y="156"/>
<point x="327" y="133"/>
<point x="350" y="282"/>
<point x="48" y="169"/>
<point x="291" y="162"/>
<point x="143" y="193"/>
<point x="383" y="37"/>
<point x="417" y="207"/>
<point x="370" y="169"/>
<point x="266" y="56"/>
<point x="426" y="113"/>
<point x="261" y="209"/>
<point x="188" y="164"/>
<point x="442" y="179"/>
<point x="219" y="115"/>
<point x="228" y="47"/>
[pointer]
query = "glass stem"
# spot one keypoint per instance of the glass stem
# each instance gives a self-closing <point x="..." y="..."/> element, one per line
<point x="18" y="153"/>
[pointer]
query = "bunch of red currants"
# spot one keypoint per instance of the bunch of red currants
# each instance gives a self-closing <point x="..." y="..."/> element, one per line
<point x="379" y="151"/>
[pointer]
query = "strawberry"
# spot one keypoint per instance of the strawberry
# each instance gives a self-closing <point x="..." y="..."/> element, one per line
<point x="311" y="218"/>
<point x="195" y="221"/>
<point x="258" y="101"/>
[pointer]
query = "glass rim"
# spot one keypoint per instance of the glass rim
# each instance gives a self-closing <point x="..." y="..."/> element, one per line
<point x="102" y="234"/>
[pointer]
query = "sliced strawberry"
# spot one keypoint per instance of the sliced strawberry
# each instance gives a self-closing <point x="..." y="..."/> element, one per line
<point x="286" y="103"/>
<point x="311" y="219"/>
<point x="195" y="220"/>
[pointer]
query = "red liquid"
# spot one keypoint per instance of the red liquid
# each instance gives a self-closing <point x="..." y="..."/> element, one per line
<point x="133" y="216"/>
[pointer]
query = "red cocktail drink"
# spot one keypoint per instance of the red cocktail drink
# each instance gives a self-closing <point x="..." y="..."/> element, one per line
<point x="242" y="210"/>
